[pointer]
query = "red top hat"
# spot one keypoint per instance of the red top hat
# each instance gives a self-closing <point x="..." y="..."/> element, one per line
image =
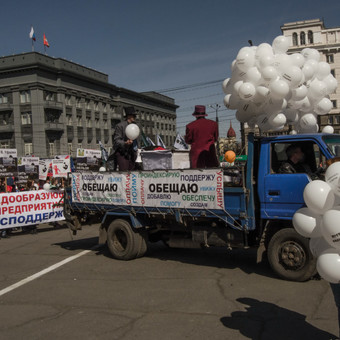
<point x="199" y="111"/>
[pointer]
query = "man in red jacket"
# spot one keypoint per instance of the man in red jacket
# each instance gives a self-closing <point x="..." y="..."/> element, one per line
<point x="202" y="135"/>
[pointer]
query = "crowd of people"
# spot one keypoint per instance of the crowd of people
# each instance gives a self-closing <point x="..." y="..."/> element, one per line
<point x="10" y="185"/>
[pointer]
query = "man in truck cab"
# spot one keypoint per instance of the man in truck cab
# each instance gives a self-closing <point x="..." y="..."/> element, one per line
<point x="296" y="162"/>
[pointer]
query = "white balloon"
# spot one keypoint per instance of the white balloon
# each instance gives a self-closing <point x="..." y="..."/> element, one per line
<point x="297" y="59"/>
<point x="282" y="61"/>
<point x="263" y="49"/>
<point x="304" y="105"/>
<point x="307" y="223"/>
<point x="277" y="120"/>
<point x="328" y="266"/>
<point x="273" y="106"/>
<point x="307" y="120"/>
<point x="265" y="60"/>
<point x="253" y="75"/>
<point x="331" y="227"/>
<point x="246" y="91"/>
<point x="245" y="59"/>
<point x="331" y="83"/>
<point x="311" y="54"/>
<point x="318" y="196"/>
<point x="323" y="106"/>
<point x="225" y="85"/>
<point x="102" y="169"/>
<point x="292" y="75"/>
<point x="318" y="246"/>
<point x="278" y="89"/>
<point x="232" y="101"/>
<point x="328" y="129"/>
<point x="323" y="70"/>
<point x="293" y="132"/>
<point x="299" y="93"/>
<point x="261" y="94"/>
<point x="269" y="73"/>
<point x="46" y="186"/>
<point x="317" y="89"/>
<point x="132" y="131"/>
<point x="236" y="86"/>
<point x="280" y="44"/>
<point x="262" y="122"/>
<point x="332" y="177"/>
<point x="308" y="71"/>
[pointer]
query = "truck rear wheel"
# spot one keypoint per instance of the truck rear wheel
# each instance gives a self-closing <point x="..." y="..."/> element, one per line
<point x="123" y="242"/>
<point x="290" y="257"/>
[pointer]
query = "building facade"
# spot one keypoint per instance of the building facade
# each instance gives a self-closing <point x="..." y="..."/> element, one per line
<point x="314" y="34"/>
<point x="51" y="106"/>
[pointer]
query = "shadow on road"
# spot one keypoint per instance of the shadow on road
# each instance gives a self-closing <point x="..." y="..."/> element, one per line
<point x="245" y="259"/>
<point x="81" y="244"/>
<point x="264" y="320"/>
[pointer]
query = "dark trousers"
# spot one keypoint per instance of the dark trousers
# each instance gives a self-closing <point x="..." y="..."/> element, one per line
<point x="125" y="163"/>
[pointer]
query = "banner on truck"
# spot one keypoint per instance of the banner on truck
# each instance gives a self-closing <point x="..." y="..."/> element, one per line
<point x="30" y="207"/>
<point x="192" y="189"/>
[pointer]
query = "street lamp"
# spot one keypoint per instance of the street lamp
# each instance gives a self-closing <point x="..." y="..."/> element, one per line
<point x="216" y="107"/>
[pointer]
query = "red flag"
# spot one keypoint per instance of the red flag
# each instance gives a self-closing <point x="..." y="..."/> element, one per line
<point x="46" y="42"/>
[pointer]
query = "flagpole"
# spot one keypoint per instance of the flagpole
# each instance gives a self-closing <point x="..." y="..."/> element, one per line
<point x="32" y="46"/>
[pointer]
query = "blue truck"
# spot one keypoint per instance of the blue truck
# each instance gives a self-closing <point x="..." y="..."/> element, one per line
<point x="258" y="205"/>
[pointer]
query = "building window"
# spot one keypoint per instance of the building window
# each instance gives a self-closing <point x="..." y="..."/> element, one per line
<point x="330" y="120"/>
<point x="87" y="104"/>
<point x="96" y="106"/>
<point x="333" y="72"/>
<point x="51" y="150"/>
<point x="25" y="97"/>
<point x="49" y="96"/>
<point x="88" y="122"/>
<point x="26" y="118"/>
<point x="105" y="124"/>
<point x="334" y="104"/>
<point x="302" y="38"/>
<point x="79" y="121"/>
<point x="79" y="145"/>
<point x="68" y="100"/>
<point x="310" y="37"/>
<point x="28" y="148"/>
<point x="4" y="145"/>
<point x="330" y="58"/>
<point x="68" y="119"/>
<point x="97" y="123"/>
<point x="3" y="99"/>
<point x="78" y="102"/>
<point x="295" y="39"/>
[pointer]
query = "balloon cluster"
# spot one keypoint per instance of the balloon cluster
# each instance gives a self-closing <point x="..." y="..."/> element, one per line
<point x="320" y="221"/>
<point x="270" y="88"/>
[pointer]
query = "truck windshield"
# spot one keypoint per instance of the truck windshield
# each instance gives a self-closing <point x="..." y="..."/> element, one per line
<point x="333" y="144"/>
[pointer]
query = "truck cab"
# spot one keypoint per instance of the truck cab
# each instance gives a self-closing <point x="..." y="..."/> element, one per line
<point x="279" y="195"/>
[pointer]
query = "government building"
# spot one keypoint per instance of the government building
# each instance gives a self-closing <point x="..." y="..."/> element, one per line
<point x="51" y="106"/>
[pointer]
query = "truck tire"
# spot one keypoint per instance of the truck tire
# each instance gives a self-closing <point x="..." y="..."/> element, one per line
<point x="123" y="242"/>
<point x="290" y="257"/>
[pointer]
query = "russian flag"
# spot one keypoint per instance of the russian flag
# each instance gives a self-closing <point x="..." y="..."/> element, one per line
<point x="32" y="35"/>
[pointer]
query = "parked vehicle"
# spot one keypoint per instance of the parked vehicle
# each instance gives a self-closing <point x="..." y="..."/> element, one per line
<point x="252" y="206"/>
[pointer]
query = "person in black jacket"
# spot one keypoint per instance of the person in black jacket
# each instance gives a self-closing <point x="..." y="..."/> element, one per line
<point x="124" y="149"/>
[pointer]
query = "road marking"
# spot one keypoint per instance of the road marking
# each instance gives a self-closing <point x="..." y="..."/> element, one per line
<point x="45" y="271"/>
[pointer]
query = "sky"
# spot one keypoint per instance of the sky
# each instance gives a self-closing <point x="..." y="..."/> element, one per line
<point x="180" y="48"/>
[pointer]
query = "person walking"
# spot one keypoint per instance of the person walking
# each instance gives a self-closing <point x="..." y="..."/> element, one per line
<point x="202" y="134"/>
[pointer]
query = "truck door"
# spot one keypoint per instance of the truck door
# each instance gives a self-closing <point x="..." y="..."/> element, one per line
<point x="283" y="192"/>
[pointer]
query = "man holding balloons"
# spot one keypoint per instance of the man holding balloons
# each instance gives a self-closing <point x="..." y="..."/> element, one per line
<point x="124" y="141"/>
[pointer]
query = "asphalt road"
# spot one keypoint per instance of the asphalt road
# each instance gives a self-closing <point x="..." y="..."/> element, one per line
<point x="168" y="294"/>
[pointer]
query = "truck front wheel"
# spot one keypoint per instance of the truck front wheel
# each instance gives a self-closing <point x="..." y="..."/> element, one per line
<point x="123" y="242"/>
<point x="290" y="257"/>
